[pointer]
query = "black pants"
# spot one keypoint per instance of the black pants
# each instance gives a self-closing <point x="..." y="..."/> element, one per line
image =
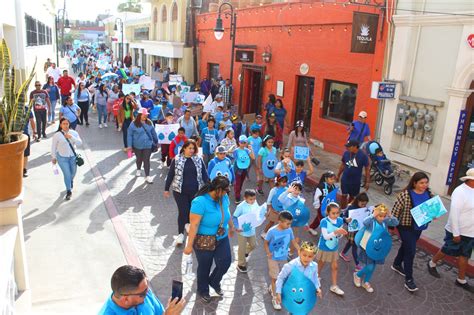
<point x="41" y="119"/>
<point x="143" y="157"/>
<point x="84" y="106"/>
<point x="183" y="201"/>
<point x="125" y="125"/>
<point x="407" y="250"/>
<point x="165" y="154"/>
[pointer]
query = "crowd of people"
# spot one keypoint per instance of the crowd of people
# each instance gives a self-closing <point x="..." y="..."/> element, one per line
<point x="214" y="153"/>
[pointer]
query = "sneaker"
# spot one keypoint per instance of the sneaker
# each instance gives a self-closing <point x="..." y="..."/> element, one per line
<point x="357" y="280"/>
<point x="186" y="227"/>
<point x="219" y="291"/>
<point x="368" y="287"/>
<point x="87" y="123"/>
<point x="242" y="269"/>
<point x="105" y="126"/>
<point x="276" y="305"/>
<point x="312" y="232"/>
<point x="205" y="298"/>
<point x="237" y="201"/>
<point x="119" y="129"/>
<point x="25" y="172"/>
<point x="411" y="286"/>
<point x="432" y="271"/>
<point x="398" y="269"/>
<point x="263" y="235"/>
<point x="466" y="286"/>
<point x="358" y="267"/>
<point x="68" y="195"/>
<point x="44" y="136"/>
<point x="179" y="239"/>
<point x="344" y="257"/>
<point x="149" y="180"/>
<point x="335" y="289"/>
<point x="138" y="173"/>
<point x="246" y="255"/>
<point x="260" y="192"/>
<point x="100" y="126"/>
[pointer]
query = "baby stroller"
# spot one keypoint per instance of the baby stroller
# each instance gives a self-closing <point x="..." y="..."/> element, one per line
<point x="381" y="170"/>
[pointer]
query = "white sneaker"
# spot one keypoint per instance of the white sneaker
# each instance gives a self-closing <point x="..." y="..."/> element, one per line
<point x="148" y="180"/>
<point x="119" y="129"/>
<point x="180" y="239"/>
<point x="105" y="126"/>
<point x="186" y="227"/>
<point x="357" y="280"/>
<point x="263" y="235"/>
<point x="138" y="173"/>
<point x="312" y="232"/>
<point x="100" y="126"/>
<point x="335" y="289"/>
<point x="368" y="287"/>
<point x="276" y="305"/>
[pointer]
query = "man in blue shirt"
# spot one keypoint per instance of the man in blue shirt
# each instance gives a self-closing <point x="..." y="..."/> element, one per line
<point x="352" y="163"/>
<point x="359" y="129"/>
<point x="132" y="296"/>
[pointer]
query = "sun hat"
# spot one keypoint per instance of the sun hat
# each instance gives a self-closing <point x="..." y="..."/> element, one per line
<point x="143" y="111"/>
<point x="363" y="114"/>
<point x="469" y="175"/>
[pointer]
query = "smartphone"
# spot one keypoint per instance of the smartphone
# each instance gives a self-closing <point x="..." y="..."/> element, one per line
<point x="177" y="290"/>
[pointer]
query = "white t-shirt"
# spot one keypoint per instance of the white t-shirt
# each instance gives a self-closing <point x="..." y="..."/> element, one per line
<point x="461" y="214"/>
<point x="55" y="73"/>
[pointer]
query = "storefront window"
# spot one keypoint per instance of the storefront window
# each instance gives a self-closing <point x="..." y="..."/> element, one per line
<point x="339" y="101"/>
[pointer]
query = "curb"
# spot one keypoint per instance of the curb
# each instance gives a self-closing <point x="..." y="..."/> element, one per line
<point x="430" y="246"/>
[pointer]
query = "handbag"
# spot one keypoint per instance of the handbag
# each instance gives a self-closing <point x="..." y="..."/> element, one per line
<point x="154" y="146"/>
<point x="79" y="159"/>
<point x="68" y="107"/>
<point x="208" y="242"/>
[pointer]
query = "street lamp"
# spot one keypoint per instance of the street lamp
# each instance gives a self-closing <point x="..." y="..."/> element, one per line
<point x="65" y="27"/>
<point x="219" y="31"/>
<point x="121" y="32"/>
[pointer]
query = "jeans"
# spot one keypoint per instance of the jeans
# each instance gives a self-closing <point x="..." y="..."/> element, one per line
<point x="246" y="245"/>
<point x="240" y="176"/>
<point x="183" y="201"/>
<point x="125" y="125"/>
<point x="63" y="99"/>
<point x="222" y="258"/>
<point x="84" y="106"/>
<point x="51" y="113"/>
<point x="407" y="250"/>
<point x="366" y="272"/>
<point x="73" y="124"/>
<point x="102" y="111"/>
<point x="143" y="157"/>
<point x="40" y="116"/>
<point x="68" y="167"/>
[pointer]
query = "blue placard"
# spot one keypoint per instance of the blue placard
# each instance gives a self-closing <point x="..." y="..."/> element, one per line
<point x="331" y="197"/>
<point x="301" y="153"/>
<point x="456" y="147"/>
<point x="386" y="90"/>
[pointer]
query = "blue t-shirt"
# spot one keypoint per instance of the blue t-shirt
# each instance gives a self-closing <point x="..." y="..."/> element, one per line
<point x="148" y="104"/>
<point x="244" y="208"/>
<point x="360" y="131"/>
<point x="150" y="306"/>
<point x="279" y="242"/>
<point x="280" y="114"/>
<point x="332" y="244"/>
<point x="218" y="116"/>
<point x="292" y="176"/>
<point x="70" y="112"/>
<point x="355" y="163"/>
<point x="211" y="214"/>
<point x="27" y="123"/>
<point x="207" y="137"/>
<point x="237" y="153"/>
<point x="202" y="124"/>
<point x="418" y="199"/>
<point x="256" y="143"/>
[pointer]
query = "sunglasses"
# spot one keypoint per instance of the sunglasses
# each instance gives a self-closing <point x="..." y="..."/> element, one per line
<point x="141" y="294"/>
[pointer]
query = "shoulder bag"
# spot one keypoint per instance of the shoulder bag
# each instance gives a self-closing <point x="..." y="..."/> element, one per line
<point x="154" y="146"/>
<point x="79" y="159"/>
<point x="208" y="242"/>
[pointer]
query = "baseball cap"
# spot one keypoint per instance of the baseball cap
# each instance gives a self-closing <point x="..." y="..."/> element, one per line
<point x="363" y="114"/>
<point x="352" y="143"/>
<point x="243" y="138"/>
<point x="221" y="149"/>
<point x="218" y="96"/>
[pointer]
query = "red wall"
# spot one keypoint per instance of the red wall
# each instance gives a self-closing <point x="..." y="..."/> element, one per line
<point x="326" y="51"/>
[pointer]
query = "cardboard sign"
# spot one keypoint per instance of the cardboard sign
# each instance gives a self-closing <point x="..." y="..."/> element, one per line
<point x="190" y="97"/>
<point x="206" y="105"/>
<point x="301" y="153"/>
<point x="166" y="133"/>
<point x="357" y="216"/>
<point x="157" y="75"/>
<point x="176" y="79"/>
<point x="147" y="82"/>
<point x="177" y="102"/>
<point x="252" y="219"/>
<point x="196" y="110"/>
<point x="128" y="88"/>
<point x="427" y="211"/>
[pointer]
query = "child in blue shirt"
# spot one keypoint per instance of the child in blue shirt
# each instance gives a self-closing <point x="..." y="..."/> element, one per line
<point x="331" y="231"/>
<point x="209" y="136"/>
<point x="256" y="142"/>
<point x="246" y="236"/>
<point x="286" y="164"/>
<point x="299" y="174"/>
<point x="274" y="206"/>
<point x="277" y="243"/>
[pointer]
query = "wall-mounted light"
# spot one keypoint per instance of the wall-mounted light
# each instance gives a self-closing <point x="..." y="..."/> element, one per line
<point x="267" y="54"/>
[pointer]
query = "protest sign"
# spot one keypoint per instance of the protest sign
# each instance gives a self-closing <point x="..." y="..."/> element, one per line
<point x="196" y="110"/>
<point x="128" y="88"/>
<point x="301" y="153"/>
<point x="427" y="211"/>
<point x="357" y="216"/>
<point x="254" y="218"/>
<point x="176" y="79"/>
<point x="157" y="75"/>
<point x="166" y="133"/>
<point x="331" y="197"/>
<point x="206" y="105"/>
<point x="190" y="97"/>
<point x="147" y="82"/>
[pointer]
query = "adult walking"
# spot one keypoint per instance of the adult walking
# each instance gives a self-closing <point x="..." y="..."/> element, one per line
<point x="359" y="130"/>
<point x="270" y="105"/>
<point x="189" y="124"/>
<point x="141" y="138"/>
<point x="125" y="116"/>
<point x="416" y="192"/>
<point x="272" y="128"/>
<point x="352" y="163"/>
<point x="83" y="98"/>
<point x="101" y="96"/>
<point x="65" y="84"/>
<point x="187" y="174"/>
<point x="63" y="153"/>
<point x="211" y="224"/>
<point x="53" y="93"/>
<point x="41" y="105"/>
<point x="280" y="113"/>
<point x="54" y="72"/>
<point x="297" y="138"/>
<point x="70" y="111"/>
<point x="459" y="239"/>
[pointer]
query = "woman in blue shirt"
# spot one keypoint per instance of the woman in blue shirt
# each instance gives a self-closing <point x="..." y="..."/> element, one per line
<point x="53" y="92"/>
<point x="210" y="219"/>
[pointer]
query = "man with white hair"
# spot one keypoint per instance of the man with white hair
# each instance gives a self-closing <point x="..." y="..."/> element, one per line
<point x="459" y="239"/>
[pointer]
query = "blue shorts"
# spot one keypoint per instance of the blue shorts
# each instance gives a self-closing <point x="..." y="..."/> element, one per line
<point x="350" y="189"/>
<point x="463" y="248"/>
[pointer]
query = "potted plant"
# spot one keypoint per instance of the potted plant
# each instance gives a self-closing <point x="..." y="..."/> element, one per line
<point x="14" y="114"/>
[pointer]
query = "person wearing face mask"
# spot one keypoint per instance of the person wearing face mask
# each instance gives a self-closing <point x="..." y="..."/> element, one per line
<point x="211" y="224"/>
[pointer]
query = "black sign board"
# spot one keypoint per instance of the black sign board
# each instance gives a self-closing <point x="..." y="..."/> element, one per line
<point x="244" y="56"/>
<point x="364" y="32"/>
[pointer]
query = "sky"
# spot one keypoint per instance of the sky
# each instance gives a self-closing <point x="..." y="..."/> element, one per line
<point x="88" y="9"/>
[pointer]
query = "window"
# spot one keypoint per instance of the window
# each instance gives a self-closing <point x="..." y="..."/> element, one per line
<point x="41" y="33"/>
<point x="164" y="15"/>
<point x="339" y="101"/>
<point x="141" y="33"/>
<point x="155" y="16"/>
<point x="31" y="31"/>
<point x="174" y="12"/>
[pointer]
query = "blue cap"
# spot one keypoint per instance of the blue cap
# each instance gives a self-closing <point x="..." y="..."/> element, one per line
<point x="243" y="138"/>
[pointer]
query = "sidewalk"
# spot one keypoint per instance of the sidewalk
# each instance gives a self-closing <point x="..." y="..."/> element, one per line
<point x="72" y="248"/>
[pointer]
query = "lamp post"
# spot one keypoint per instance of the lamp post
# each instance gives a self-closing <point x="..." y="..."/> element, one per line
<point x="121" y="32"/>
<point x="65" y="27"/>
<point x="219" y="31"/>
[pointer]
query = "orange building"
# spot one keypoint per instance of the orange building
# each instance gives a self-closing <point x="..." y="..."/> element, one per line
<point x="311" y="66"/>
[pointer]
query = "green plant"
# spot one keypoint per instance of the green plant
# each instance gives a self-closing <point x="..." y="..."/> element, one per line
<point x="14" y="108"/>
